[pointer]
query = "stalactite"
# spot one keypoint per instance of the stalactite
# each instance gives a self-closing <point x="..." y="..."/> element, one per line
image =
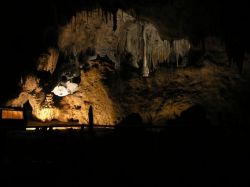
<point x="106" y="16"/>
<point x="126" y="40"/>
<point x="87" y="16"/>
<point x="99" y="12"/>
<point x="114" y="20"/>
<point x="109" y="16"/>
<point x="145" y="70"/>
<point x="76" y="23"/>
<point x="72" y="23"/>
<point x="102" y="11"/>
<point x="138" y="39"/>
<point x="181" y="48"/>
<point x="150" y="60"/>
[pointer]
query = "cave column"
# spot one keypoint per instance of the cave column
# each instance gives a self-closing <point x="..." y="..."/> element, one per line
<point x="145" y="69"/>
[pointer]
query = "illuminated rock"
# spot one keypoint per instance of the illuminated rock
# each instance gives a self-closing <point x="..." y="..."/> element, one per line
<point x="181" y="48"/>
<point x="46" y="114"/>
<point x="81" y="41"/>
<point x="134" y="43"/>
<point x="65" y="89"/>
<point x="60" y="91"/>
<point x="47" y="62"/>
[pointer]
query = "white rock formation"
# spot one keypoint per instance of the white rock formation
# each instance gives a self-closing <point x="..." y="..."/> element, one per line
<point x="181" y="48"/>
<point x="140" y="39"/>
<point x="65" y="89"/>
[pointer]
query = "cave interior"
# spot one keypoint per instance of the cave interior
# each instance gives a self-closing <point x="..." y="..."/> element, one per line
<point x="154" y="58"/>
<point x="177" y="67"/>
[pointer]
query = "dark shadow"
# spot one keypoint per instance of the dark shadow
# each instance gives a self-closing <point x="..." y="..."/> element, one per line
<point x="91" y="119"/>
<point x="192" y="122"/>
<point x="194" y="116"/>
<point x="132" y="124"/>
<point x="28" y="111"/>
<point x="235" y="50"/>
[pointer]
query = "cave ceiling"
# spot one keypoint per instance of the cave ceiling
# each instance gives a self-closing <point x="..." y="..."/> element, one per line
<point x="26" y="29"/>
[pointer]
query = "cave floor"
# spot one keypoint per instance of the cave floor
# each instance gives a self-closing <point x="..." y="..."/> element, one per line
<point x="136" y="156"/>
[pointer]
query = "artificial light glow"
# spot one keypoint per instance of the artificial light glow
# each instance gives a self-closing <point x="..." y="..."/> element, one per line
<point x="66" y="128"/>
<point x="30" y="128"/>
<point x="46" y="114"/>
<point x="11" y="114"/>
